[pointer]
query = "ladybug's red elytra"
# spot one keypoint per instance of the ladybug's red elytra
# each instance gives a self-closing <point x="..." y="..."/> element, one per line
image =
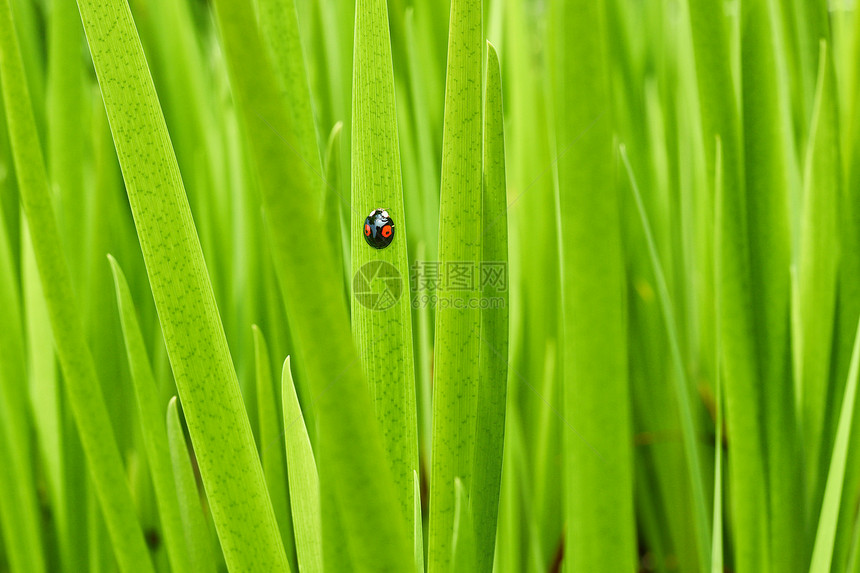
<point x="379" y="229"/>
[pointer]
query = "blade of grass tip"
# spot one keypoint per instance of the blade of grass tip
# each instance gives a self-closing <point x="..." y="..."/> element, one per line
<point x="382" y="323"/>
<point x="355" y="480"/>
<point x="182" y="291"/>
<point x="19" y="508"/>
<point x="682" y="384"/>
<point x="456" y="372"/>
<point x="768" y="163"/>
<point x="152" y="424"/>
<point x="492" y="389"/>
<point x="303" y="478"/>
<point x="717" y="559"/>
<point x="271" y="444"/>
<point x="719" y="113"/>
<point x="598" y="513"/>
<point x="463" y="550"/>
<point x="417" y="524"/>
<point x="822" y="552"/>
<point x="200" y="549"/>
<point x="82" y="385"/>
<point x="818" y="274"/>
<point x="332" y="211"/>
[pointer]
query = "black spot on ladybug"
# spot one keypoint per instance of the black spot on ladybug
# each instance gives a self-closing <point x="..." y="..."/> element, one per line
<point x="379" y="229"/>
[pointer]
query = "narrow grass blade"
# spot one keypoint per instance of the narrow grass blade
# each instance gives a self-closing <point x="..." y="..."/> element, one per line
<point x="822" y="553"/>
<point x="332" y="211"/>
<point x="82" y="385"/>
<point x="818" y="274"/>
<point x="492" y="389"/>
<point x="303" y="478"/>
<point x="271" y="442"/>
<point x="192" y="328"/>
<point x="381" y="305"/>
<point x="682" y="384"/>
<point x="456" y="372"/>
<point x="717" y="548"/>
<point x="599" y="519"/>
<point x="418" y="524"/>
<point x="463" y="557"/>
<point x="200" y="549"/>
<point x="351" y="458"/>
<point x="152" y="424"/>
<point x="19" y="509"/>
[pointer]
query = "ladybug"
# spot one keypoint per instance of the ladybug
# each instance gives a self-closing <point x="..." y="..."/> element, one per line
<point x="379" y="229"/>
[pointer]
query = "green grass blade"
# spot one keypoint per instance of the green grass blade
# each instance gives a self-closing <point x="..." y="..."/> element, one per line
<point x="682" y="384"/>
<point x="152" y="424"/>
<point x="351" y="458"/>
<point x="19" y="509"/>
<point x="717" y="548"/>
<point x="303" y="478"/>
<point x="767" y="165"/>
<point x="822" y="553"/>
<point x="82" y="385"/>
<point x="492" y="389"/>
<point x="456" y="372"/>
<point x="463" y="550"/>
<point x="819" y="261"/>
<point x="192" y="328"/>
<point x="382" y="328"/>
<point x="599" y="520"/>
<point x="417" y="524"/>
<point x="271" y="442"/>
<point x="332" y="211"/>
<point x="200" y="549"/>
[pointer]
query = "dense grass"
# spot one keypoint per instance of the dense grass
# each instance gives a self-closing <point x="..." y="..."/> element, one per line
<point x="623" y="331"/>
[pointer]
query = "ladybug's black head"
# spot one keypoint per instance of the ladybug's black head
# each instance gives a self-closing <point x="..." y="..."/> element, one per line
<point x="379" y="229"/>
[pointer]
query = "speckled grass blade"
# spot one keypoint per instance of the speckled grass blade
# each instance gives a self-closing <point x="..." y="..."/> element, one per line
<point x="200" y="548"/>
<point x="822" y="553"/>
<point x="303" y="478"/>
<point x="152" y="425"/>
<point x="463" y="557"/>
<point x="492" y="389"/>
<point x="350" y="456"/>
<point x="270" y="440"/>
<point x="382" y="328"/>
<point x="598" y="459"/>
<point x="83" y="390"/>
<point x="193" y="333"/>
<point x="456" y="372"/>
<point x="682" y="384"/>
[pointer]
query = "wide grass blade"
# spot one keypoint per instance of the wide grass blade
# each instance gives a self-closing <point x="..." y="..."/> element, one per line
<point x="456" y="372"/>
<point x="381" y="305"/>
<point x="492" y="388"/>
<point x="351" y="458"/>
<point x="271" y="443"/>
<point x="193" y="333"/>
<point x="82" y="385"/>
<point x="598" y="513"/>
<point x="154" y="432"/>
<point x="303" y="478"/>
<point x="822" y="553"/>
